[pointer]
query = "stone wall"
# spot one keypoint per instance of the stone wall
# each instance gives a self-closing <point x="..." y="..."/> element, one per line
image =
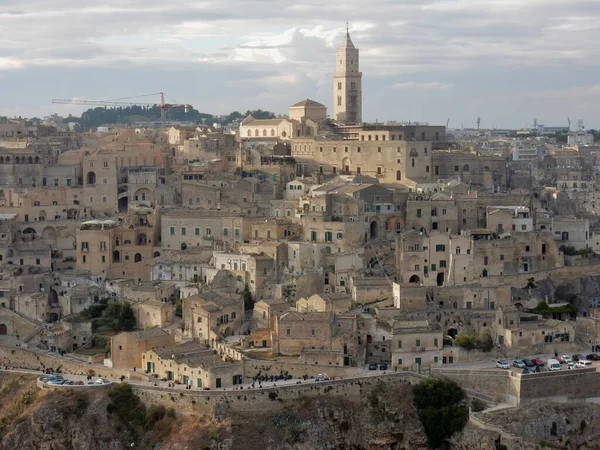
<point x="251" y="400"/>
<point x="563" y="385"/>
<point x="297" y="369"/>
<point x="493" y="383"/>
<point x="27" y="359"/>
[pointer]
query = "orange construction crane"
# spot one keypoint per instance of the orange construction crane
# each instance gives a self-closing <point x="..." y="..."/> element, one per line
<point x="118" y="102"/>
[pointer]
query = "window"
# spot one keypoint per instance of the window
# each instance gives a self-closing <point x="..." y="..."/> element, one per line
<point x="313" y="236"/>
<point x="433" y="268"/>
<point x="339" y="102"/>
<point x="440" y="248"/>
<point x="419" y="213"/>
<point x="225" y="231"/>
<point x="84" y="258"/>
<point x="435" y="342"/>
<point x="288" y="332"/>
<point x="340" y="236"/>
<point x="183" y="231"/>
<point x="208" y="232"/>
<point x="501" y="257"/>
<point x="399" y="344"/>
<point x="37" y="261"/>
<point x="378" y="149"/>
<point x="328" y="236"/>
<point x="418" y="343"/>
<point x="456" y="168"/>
<point x="236" y="232"/>
<point x="444" y="211"/>
<point x="399" y="361"/>
<point x="313" y="332"/>
<point x="442" y="263"/>
<point x="197" y="231"/>
<point x="485" y="260"/>
<point x="379" y="171"/>
<point x="105" y="164"/>
<point x="484" y="274"/>
<point x="339" y="85"/>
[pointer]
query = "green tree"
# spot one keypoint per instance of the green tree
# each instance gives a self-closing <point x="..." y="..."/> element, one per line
<point x="248" y="302"/>
<point x="465" y="341"/>
<point x="126" y="317"/>
<point x="442" y="407"/>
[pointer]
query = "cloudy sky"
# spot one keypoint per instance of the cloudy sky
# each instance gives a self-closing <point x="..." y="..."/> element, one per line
<point x="507" y="61"/>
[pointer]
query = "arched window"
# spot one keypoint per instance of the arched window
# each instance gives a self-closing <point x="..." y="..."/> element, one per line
<point x="256" y="133"/>
<point x="36" y="203"/>
<point x="484" y="273"/>
<point x="283" y="134"/>
<point x="1" y="159"/>
<point x="17" y="160"/>
<point x="272" y="131"/>
<point x="466" y="168"/>
<point x="265" y="133"/>
<point x="458" y="250"/>
<point x="137" y="257"/>
<point x="398" y="175"/>
<point x="91" y="178"/>
<point x="37" y="159"/>
<point x="249" y="133"/>
<point x="434" y="226"/>
<point x="486" y="168"/>
<point x="30" y="160"/>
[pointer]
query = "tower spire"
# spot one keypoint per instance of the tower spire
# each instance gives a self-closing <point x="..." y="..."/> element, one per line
<point x="347" y="29"/>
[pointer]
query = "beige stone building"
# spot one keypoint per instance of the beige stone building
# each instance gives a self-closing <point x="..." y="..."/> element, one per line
<point x="416" y="343"/>
<point x="212" y="311"/>
<point x="152" y="313"/>
<point x="126" y="349"/>
<point x="194" y="365"/>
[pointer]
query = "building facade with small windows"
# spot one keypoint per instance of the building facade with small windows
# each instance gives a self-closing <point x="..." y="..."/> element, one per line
<point x="126" y="349"/>
<point x="416" y="343"/>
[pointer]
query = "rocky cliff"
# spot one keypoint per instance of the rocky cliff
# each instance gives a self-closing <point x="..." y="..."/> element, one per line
<point x="383" y="418"/>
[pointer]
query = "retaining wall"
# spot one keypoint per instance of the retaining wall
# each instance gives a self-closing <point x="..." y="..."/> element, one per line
<point x="265" y="399"/>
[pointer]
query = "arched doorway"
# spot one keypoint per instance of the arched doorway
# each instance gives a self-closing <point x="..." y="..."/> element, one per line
<point x="415" y="279"/>
<point x="452" y="332"/>
<point x="123" y="204"/>
<point x="29" y="233"/>
<point x="398" y="175"/>
<point x="440" y="279"/>
<point x="137" y="257"/>
<point x="183" y="246"/>
<point x="156" y="254"/>
<point x="346" y="164"/>
<point x="49" y="235"/>
<point x="374" y="229"/>
<point x="3" y="330"/>
<point x="91" y="178"/>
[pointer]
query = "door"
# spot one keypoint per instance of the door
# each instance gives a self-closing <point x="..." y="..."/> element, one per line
<point x="501" y="340"/>
<point x="218" y="383"/>
<point x="149" y="367"/>
<point x="169" y="375"/>
<point x="3" y="330"/>
<point x="346" y="360"/>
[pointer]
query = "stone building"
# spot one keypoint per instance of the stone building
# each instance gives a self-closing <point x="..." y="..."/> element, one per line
<point x="126" y="349"/>
<point x="193" y="365"/>
<point x="416" y="343"/>
<point x="212" y="311"/>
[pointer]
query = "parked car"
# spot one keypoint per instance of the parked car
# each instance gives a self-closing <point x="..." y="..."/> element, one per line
<point x="593" y="357"/>
<point x="528" y="363"/>
<point x="583" y="364"/>
<point x="99" y="381"/>
<point x="79" y="383"/>
<point x="527" y="370"/>
<point x="565" y="359"/>
<point x="518" y="363"/>
<point x="322" y="377"/>
<point x="502" y="365"/>
<point x="383" y="366"/>
<point x="577" y="357"/>
<point x="570" y="365"/>
<point x="553" y="364"/>
<point x="537" y="362"/>
<point x="373" y="366"/>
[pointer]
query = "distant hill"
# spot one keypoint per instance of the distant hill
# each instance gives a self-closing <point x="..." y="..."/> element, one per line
<point x="94" y="117"/>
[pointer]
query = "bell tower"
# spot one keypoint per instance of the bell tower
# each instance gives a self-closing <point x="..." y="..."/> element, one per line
<point x="347" y="87"/>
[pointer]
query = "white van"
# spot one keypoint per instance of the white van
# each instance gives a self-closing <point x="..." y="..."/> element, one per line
<point x="583" y="364"/>
<point x="553" y="364"/>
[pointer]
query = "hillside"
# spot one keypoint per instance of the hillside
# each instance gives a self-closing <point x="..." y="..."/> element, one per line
<point x="384" y="418"/>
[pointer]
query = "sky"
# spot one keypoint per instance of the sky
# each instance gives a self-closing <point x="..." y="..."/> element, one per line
<point x="506" y="61"/>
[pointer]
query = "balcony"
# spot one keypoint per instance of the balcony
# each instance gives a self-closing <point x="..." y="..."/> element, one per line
<point x="419" y="349"/>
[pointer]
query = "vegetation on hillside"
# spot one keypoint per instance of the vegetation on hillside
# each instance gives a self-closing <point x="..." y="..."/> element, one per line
<point x="110" y="316"/>
<point x="95" y="117"/>
<point x="484" y="342"/>
<point x="442" y="407"/>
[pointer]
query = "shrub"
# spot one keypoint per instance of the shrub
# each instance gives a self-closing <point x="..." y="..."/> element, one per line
<point x="465" y="341"/>
<point x="441" y="404"/>
<point x="477" y="404"/>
